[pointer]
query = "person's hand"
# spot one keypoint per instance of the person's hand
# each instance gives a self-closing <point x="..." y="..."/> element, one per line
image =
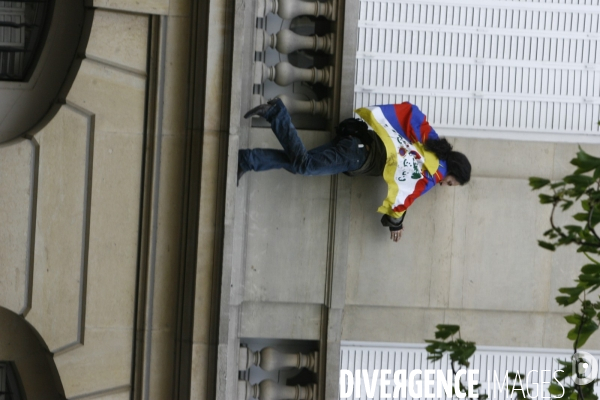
<point x="396" y="235"/>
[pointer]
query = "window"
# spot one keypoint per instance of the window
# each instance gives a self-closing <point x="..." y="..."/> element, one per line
<point x="10" y="384"/>
<point x="22" y="27"/>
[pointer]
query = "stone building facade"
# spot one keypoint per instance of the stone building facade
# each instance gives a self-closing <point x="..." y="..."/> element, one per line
<point x="133" y="266"/>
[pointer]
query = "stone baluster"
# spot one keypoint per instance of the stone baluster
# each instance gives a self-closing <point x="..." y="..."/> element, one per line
<point x="270" y="359"/>
<point x="289" y="9"/>
<point x="286" y="42"/>
<point x="269" y="390"/>
<point x="284" y="74"/>
<point x="314" y="107"/>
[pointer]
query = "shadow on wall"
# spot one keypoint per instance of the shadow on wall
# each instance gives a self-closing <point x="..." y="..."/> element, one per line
<point x="29" y="103"/>
<point x="22" y="345"/>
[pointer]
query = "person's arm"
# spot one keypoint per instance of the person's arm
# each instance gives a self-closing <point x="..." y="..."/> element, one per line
<point x="395" y="226"/>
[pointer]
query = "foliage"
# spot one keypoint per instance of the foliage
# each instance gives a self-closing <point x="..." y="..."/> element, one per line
<point x="458" y="350"/>
<point x="582" y="187"/>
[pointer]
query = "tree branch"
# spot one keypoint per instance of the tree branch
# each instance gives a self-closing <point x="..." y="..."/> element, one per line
<point x="589" y="222"/>
<point x="554" y="228"/>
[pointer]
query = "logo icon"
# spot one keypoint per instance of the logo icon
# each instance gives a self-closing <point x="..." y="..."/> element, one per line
<point x="585" y="368"/>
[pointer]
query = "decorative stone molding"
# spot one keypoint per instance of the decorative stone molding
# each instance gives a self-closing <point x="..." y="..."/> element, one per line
<point x="269" y="390"/>
<point x="289" y="9"/>
<point x="314" y="107"/>
<point x="294" y="106"/>
<point x="284" y="74"/>
<point x="286" y="42"/>
<point x="270" y="359"/>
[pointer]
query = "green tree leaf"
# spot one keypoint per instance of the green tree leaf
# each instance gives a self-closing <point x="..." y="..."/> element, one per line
<point x="566" y="300"/>
<point x="445" y="331"/>
<point x="555" y="389"/>
<point x="584" y="332"/>
<point x="574" y="291"/>
<point x="585" y="162"/>
<point x="538" y="183"/>
<point x="546" y="245"/>
<point x="591" y="269"/>
<point x="579" y="180"/>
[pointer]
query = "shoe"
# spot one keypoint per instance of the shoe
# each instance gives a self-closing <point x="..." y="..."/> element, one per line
<point x="240" y="173"/>
<point x="260" y="110"/>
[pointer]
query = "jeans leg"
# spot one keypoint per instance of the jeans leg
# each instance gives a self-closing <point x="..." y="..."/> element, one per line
<point x="281" y="124"/>
<point x="264" y="160"/>
<point x="328" y="159"/>
<point x="336" y="157"/>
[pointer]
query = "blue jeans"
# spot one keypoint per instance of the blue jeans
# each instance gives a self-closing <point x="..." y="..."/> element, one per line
<point x="329" y="159"/>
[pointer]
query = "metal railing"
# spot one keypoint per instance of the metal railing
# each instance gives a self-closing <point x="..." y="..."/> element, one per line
<point x="23" y="26"/>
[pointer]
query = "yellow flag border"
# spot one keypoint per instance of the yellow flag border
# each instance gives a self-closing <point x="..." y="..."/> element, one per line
<point x="389" y="171"/>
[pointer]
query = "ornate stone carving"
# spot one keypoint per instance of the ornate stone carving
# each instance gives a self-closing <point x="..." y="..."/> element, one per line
<point x="286" y="41"/>
<point x="288" y="9"/>
<point x="270" y="359"/>
<point x="314" y="107"/>
<point x="294" y="106"/>
<point x="269" y="390"/>
<point x="284" y="74"/>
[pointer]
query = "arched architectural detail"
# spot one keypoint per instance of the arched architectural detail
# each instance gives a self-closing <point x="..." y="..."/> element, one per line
<point x="21" y="344"/>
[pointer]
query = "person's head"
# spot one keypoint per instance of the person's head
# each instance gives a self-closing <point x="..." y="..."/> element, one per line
<point x="457" y="164"/>
<point x="449" y="180"/>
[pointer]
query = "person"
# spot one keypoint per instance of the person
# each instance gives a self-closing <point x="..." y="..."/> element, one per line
<point x="402" y="147"/>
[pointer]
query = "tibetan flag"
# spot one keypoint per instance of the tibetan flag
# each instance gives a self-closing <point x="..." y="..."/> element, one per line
<point x="410" y="170"/>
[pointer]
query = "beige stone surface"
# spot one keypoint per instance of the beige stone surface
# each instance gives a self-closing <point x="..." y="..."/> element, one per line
<point x="103" y="363"/>
<point x="162" y="361"/>
<point x="502" y="219"/>
<point x="214" y="67"/>
<point x="287" y="230"/>
<point x="390" y="324"/>
<point x="124" y="394"/>
<point x="199" y="365"/>
<point x="564" y="153"/>
<point x="180" y="8"/>
<point x="206" y="231"/>
<point x="60" y="228"/>
<point x="410" y="273"/>
<point x="168" y="251"/>
<point x="15" y="180"/>
<point x="507" y="158"/>
<point x="115" y="96"/>
<point x="486" y="271"/>
<point x="281" y="321"/>
<point x="555" y="334"/>
<point x="119" y="38"/>
<point x="566" y="267"/>
<point x="114" y="224"/>
<point x="176" y="76"/>
<point x="497" y="328"/>
<point x="142" y="7"/>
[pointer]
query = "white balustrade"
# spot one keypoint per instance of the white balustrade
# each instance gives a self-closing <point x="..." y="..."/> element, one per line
<point x="294" y="106"/>
<point x="314" y="107"/>
<point x="270" y="359"/>
<point x="284" y="74"/>
<point x="289" y="9"/>
<point x="269" y="390"/>
<point x="286" y="42"/>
